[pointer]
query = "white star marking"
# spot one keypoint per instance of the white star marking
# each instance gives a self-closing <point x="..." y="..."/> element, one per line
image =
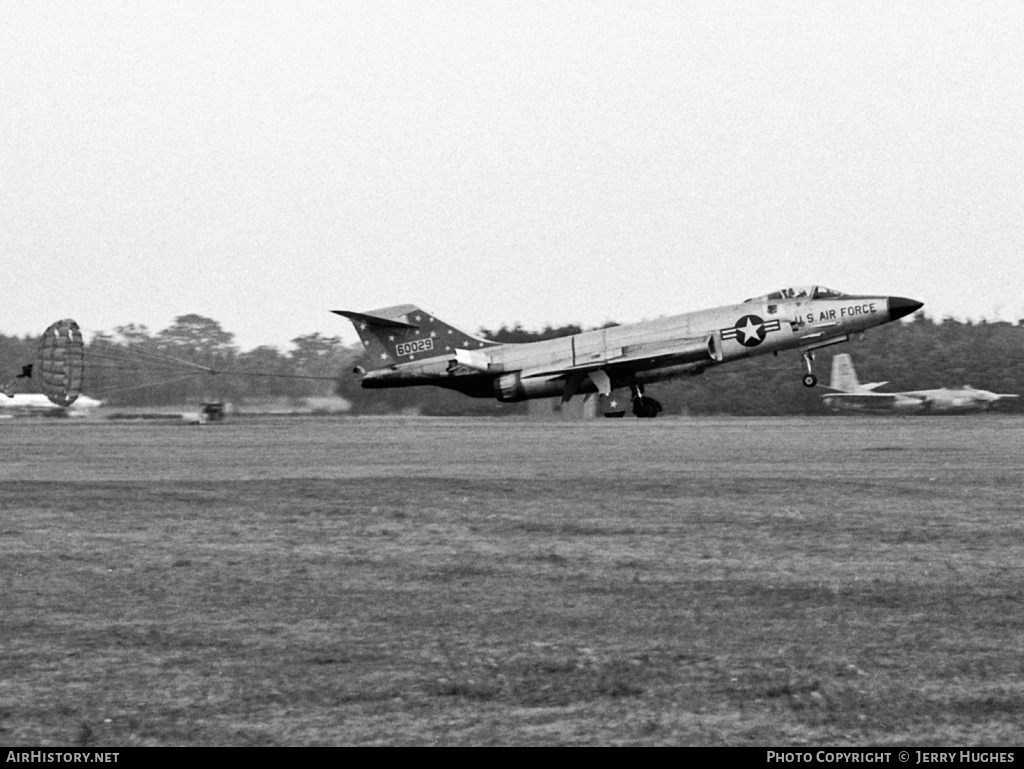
<point x="391" y="338"/>
<point x="418" y="318"/>
<point x="433" y="334"/>
<point x="750" y="330"/>
<point x="383" y="356"/>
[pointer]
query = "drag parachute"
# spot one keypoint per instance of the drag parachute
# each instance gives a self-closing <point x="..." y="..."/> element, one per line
<point x="188" y="362"/>
<point x="60" y="362"/>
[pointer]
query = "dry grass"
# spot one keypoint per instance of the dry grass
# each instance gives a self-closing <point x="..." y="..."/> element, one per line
<point x="415" y="581"/>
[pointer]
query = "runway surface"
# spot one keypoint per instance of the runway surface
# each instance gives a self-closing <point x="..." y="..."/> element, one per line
<point x="831" y="580"/>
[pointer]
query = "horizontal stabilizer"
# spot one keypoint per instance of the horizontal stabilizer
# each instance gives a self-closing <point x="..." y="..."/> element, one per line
<point x="373" y="320"/>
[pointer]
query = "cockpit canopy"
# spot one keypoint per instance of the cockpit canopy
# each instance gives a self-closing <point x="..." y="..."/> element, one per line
<point x="798" y="292"/>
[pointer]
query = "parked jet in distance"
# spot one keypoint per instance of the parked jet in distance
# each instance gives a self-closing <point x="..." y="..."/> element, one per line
<point x="37" y="404"/>
<point x="412" y="347"/>
<point x="853" y="396"/>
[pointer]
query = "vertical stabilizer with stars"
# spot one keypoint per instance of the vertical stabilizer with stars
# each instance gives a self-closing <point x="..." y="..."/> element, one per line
<point x="405" y="333"/>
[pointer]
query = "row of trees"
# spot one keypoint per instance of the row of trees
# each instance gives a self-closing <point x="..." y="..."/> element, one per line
<point x="134" y="366"/>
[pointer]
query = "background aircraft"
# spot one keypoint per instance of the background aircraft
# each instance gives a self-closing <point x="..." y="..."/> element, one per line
<point x="853" y="396"/>
<point x="410" y="347"/>
<point x="37" y="404"/>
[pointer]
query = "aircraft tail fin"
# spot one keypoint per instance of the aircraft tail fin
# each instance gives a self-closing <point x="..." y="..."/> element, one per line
<point x="844" y="377"/>
<point x="405" y="333"/>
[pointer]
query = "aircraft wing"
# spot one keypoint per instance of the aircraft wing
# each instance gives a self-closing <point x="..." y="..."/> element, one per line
<point x="635" y="356"/>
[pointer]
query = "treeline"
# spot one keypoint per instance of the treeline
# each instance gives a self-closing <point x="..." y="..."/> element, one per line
<point x="133" y="366"/>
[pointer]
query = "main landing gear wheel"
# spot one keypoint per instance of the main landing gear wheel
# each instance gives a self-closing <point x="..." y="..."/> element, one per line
<point x="644" y="407"/>
<point x="810" y="380"/>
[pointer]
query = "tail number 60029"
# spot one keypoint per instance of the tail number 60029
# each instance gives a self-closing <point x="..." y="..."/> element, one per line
<point x="418" y="345"/>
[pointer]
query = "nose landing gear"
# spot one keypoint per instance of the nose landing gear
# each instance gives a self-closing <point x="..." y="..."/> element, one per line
<point x="809" y="379"/>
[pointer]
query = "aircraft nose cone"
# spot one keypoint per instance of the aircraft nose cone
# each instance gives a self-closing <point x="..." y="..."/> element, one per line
<point x="900" y="307"/>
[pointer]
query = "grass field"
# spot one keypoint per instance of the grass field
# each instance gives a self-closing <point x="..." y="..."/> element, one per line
<point x="832" y="581"/>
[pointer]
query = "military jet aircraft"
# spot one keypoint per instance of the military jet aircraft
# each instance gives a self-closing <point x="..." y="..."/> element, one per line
<point x="853" y="396"/>
<point x="409" y="347"/>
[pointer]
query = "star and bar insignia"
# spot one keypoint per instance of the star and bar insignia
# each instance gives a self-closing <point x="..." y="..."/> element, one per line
<point x="750" y="330"/>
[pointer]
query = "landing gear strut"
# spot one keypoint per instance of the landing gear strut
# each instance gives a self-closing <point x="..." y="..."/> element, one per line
<point x="809" y="379"/>
<point x="644" y="407"/>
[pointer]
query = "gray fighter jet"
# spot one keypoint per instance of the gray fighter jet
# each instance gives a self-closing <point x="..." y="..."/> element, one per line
<point x="410" y="347"/>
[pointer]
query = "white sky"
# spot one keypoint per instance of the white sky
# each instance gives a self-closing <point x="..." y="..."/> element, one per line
<point x="262" y="163"/>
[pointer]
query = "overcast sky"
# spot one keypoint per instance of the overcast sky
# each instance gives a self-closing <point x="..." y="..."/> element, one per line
<point x="262" y="163"/>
